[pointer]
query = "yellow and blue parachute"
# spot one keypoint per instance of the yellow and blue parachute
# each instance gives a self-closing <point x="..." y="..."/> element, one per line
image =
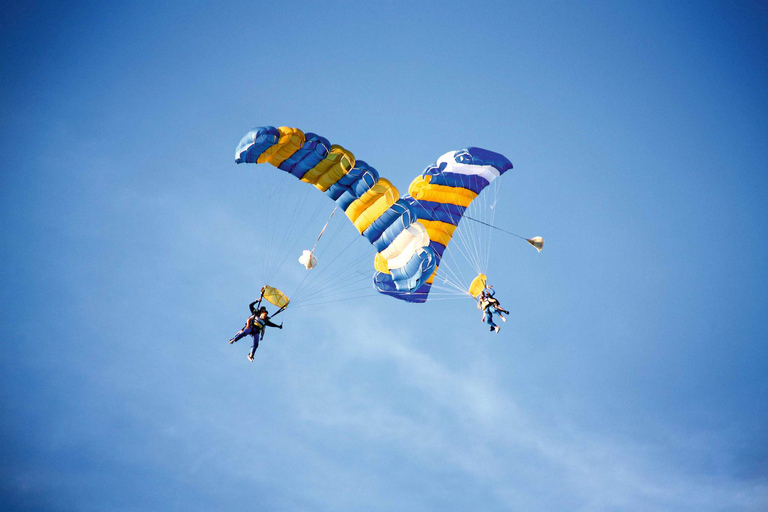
<point x="409" y="233"/>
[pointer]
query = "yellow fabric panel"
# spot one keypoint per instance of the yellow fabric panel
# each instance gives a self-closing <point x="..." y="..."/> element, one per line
<point x="418" y="184"/>
<point x="336" y="156"/>
<point x="423" y="190"/>
<point x="477" y="285"/>
<point x="380" y="264"/>
<point x="381" y="188"/>
<point x="291" y="139"/>
<point x="275" y="296"/>
<point x="440" y="232"/>
<point x="378" y="207"/>
<point x="336" y="172"/>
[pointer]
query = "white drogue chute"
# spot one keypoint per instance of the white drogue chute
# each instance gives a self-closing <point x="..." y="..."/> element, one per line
<point x="537" y="242"/>
<point x="308" y="260"/>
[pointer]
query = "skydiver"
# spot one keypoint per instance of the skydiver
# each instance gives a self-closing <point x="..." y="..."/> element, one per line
<point x="490" y="305"/>
<point x="255" y="326"/>
<point x="495" y="302"/>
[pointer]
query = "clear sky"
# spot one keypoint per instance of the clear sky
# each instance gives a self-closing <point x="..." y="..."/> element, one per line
<point x="630" y="377"/>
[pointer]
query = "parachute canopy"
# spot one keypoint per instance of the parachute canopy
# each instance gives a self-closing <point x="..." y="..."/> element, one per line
<point x="477" y="285"/>
<point x="275" y="296"/>
<point x="537" y="242"/>
<point x="409" y="233"/>
<point x="439" y="197"/>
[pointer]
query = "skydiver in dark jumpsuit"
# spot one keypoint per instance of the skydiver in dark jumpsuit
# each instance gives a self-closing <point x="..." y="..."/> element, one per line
<point x="255" y="326"/>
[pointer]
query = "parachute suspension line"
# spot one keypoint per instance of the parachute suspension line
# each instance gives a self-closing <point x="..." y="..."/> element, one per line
<point x="276" y="237"/>
<point x="310" y="304"/>
<point x="450" y="268"/>
<point x="496" y="184"/>
<point x="267" y="232"/>
<point x="322" y="287"/>
<point x="468" y="236"/>
<point x="499" y="229"/>
<point x="297" y="295"/>
<point x="466" y="240"/>
<point x="286" y="245"/>
<point x="323" y="230"/>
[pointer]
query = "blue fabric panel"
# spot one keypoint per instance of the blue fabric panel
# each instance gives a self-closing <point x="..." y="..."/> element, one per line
<point x="368" y="178"/>
<point x="346" y="199"/>
<point x="480" y="156"/>
<point x="443" y="212"/>
<point x="384" y="284"/>
<point x="385" y="220"/>
<point x="474" y="183"/>
<point x="255" y="143"/>
<point x="394" y="229"/>
<point x="338" y="188"/>
<point x="416" y="271"/>
<point x="438" y="248"/>
<point x="348" y="180"/>
<point x="364" y="178"/>
<point x="311" y="153"/>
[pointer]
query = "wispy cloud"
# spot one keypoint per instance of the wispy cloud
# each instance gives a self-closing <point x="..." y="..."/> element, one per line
<point x="468" y="423"/>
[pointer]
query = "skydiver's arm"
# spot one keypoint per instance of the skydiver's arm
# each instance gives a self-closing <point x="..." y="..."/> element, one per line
<point x="270" y="324"/>
<point x="250" y="306"/>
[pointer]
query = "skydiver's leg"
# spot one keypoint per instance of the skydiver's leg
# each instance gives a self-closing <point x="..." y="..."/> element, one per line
<point x="489" y="319"/>
<point x="255" y="345"/>
<point x="242" y="333"/>
<point x="498" y="311"/>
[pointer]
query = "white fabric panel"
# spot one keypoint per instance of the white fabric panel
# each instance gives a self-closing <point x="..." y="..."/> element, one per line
<point x="405" y="245"/>
<point x="488" y="172"/>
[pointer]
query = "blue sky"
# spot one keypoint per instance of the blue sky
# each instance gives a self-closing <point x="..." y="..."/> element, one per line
<point x="631" y="375"/>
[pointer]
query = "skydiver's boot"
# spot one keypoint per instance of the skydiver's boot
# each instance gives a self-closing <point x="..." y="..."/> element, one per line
<point x="497" y="329"/>
<point x="250" y="356"/>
